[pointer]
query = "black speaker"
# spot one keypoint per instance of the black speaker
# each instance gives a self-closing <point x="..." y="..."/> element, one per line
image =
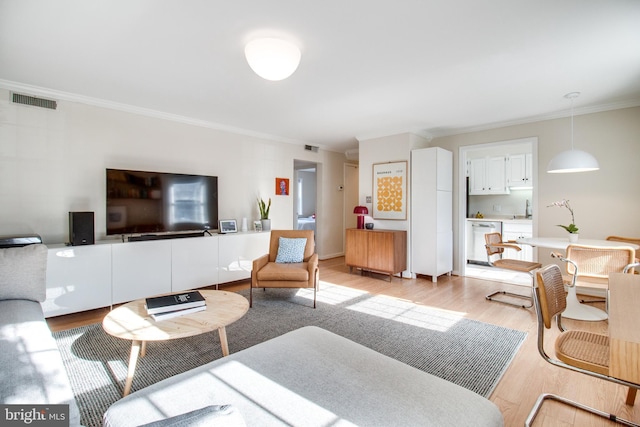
<point x="81" y="228"/>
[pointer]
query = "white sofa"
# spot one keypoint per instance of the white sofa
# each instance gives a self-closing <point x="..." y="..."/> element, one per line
<point x="32" y="372"/>
<point x="308" y="377"/>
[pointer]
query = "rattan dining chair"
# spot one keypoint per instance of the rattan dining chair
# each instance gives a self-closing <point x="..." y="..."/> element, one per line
<point x="495" y="250"/>
<point x="633" y="240"/>
<point x="576" y="350"/>
<point x="590" y="266"/>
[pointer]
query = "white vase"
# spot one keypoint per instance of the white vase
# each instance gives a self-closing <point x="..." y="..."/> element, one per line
<point x="573" y="237"/>
<point x="266" y="224"/>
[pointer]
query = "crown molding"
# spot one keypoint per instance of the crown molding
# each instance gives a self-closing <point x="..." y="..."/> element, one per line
<point x="97" y="102"/>
<point x="539" y="118"/>
<point x="428" y="134"/>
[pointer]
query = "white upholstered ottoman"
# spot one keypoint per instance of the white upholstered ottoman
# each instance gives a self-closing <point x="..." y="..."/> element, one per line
<point x="308" y="377"/>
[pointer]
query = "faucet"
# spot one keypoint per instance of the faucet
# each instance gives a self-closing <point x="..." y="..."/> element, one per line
<point x="527" y="209"/>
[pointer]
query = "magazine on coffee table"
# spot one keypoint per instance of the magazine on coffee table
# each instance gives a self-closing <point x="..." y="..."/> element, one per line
<point x="177" y="313"/>
<point x="173" y="302"/>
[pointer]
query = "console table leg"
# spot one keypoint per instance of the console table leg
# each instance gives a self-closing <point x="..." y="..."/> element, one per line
<point x="223" y="341"/>
<point x="133" y="360"/>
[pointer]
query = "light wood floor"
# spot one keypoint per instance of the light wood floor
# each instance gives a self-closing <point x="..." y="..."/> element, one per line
<point x="527" y="376"/>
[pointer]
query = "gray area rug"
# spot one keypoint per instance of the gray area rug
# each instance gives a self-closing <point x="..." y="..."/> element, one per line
<point x="469" y="353"/>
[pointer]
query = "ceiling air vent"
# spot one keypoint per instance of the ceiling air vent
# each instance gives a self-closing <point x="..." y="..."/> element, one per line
<point x="311" y="148"/>
<point x="36" y="102"/>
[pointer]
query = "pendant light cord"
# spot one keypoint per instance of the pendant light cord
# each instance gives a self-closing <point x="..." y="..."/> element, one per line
<point x="571" y="123"/>
<point x="572" y="96"/>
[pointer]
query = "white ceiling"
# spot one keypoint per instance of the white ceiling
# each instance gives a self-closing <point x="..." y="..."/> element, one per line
<point x="369" y="67"/>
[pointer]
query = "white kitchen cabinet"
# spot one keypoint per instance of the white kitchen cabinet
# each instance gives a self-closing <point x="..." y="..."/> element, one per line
<point x="520" y="170"/>
<point x="487" y="175"/>
<point x="514" y="230"/>
<point x="431" y="212"/>
<point x="194" y="263"/>
<point x="477" y="176"/>
<point x="140" y="269"/>
<point x="237" y="252"/>
<point x="78" y="279"/>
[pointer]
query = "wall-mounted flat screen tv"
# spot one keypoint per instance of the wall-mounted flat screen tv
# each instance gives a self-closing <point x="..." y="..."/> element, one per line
<point x="141" y="202"/>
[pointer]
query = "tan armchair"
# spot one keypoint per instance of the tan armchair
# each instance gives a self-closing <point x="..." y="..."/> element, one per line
<point x="267" y="273"/>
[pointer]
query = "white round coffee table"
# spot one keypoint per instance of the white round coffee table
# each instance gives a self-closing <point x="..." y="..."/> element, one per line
<point x="131" y="322"/>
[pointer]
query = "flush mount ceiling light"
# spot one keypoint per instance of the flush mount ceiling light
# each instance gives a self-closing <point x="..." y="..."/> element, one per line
<point x="272" y="59"/>
<point x="572" y="160"/>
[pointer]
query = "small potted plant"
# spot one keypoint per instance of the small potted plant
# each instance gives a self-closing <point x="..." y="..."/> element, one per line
<point x="264" y="214"/>
<point x="572" y="229"/>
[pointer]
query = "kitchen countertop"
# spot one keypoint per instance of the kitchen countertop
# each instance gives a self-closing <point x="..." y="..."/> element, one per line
<point x="511" y="220"/>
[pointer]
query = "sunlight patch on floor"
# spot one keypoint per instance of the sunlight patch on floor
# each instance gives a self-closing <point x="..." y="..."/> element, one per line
<point x="497" y="275"/>
<point x="385" y="307"/>
<point x="407" y="312"/>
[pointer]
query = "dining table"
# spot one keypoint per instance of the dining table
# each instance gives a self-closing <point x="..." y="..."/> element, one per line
<point x="575" y="310"/>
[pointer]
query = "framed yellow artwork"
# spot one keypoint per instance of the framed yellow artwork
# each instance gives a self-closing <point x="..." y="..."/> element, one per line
<point x="390" y="190"/>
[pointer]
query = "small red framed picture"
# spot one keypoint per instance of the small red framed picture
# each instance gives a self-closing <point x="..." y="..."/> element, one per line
<point x="282" y="186"/>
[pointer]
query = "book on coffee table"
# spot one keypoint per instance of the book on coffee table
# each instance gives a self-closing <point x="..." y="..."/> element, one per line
<point x="174" y="302"/>
<point x="176" y="313"/>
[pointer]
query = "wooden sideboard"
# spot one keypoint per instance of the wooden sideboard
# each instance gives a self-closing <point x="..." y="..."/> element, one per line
<point x="382" y="251"/>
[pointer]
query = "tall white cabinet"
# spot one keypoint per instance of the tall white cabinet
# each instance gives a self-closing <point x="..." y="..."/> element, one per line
<point x="431" y="212"/>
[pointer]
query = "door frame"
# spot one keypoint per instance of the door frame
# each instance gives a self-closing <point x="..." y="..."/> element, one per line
<point x="462" y="191"/>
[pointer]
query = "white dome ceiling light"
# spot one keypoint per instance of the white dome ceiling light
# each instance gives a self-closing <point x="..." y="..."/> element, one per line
<point x="272" y="59"/>
<point x="571" y="161"/>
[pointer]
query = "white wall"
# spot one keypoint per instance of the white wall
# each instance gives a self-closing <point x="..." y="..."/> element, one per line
<point x="387" y="149"/>
<point x="53" y="162"/>
<point x="605" y="202"/>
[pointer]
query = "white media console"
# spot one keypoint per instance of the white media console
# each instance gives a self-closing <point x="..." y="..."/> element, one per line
<point x="82" y="278"/>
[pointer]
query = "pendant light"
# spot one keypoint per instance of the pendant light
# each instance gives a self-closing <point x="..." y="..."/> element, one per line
<point x="572" y="160"/>
<point x="271" y="58"/>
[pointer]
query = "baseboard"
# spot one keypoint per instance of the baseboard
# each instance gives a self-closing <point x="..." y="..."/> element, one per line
<point x="330" y="256"/>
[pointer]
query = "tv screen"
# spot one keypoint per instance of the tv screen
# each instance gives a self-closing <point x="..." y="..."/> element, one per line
<point x="155" y="202"/>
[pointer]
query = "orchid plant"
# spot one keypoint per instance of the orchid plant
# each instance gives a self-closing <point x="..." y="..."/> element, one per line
<point x="571" y="228"/>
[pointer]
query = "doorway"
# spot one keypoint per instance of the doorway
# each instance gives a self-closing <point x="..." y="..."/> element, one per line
<point x="351" y="196"/>
<point x="515" y="202"/>
<point x="305" y="191"/>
